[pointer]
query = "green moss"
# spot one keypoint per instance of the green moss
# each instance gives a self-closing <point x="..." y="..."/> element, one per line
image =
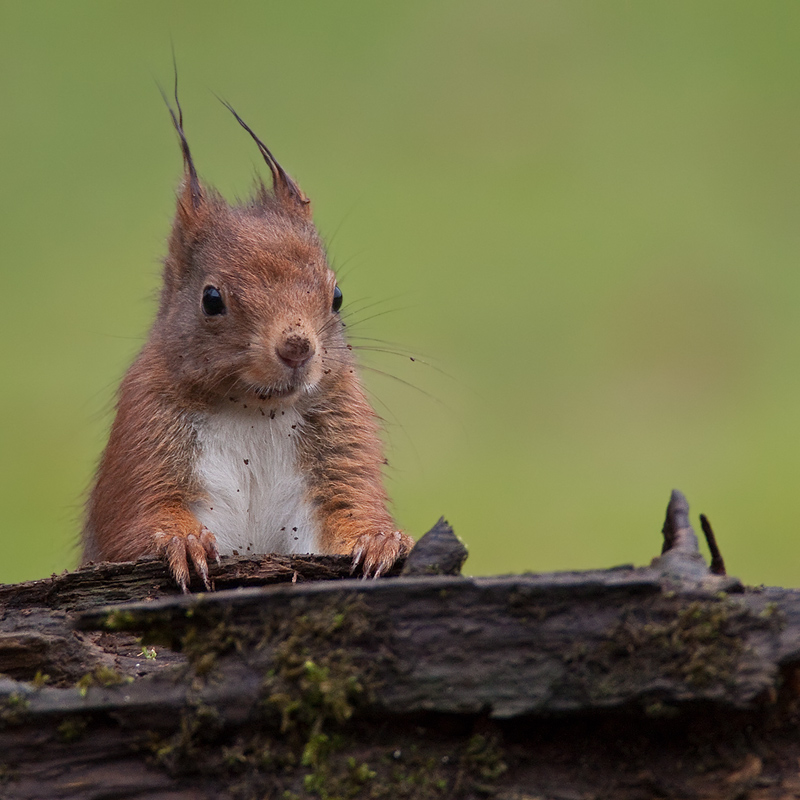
<point x="772" y="612"/>
<point x="159" y="627"/>
<point x="309" y="690"/>
<point x="185" y="749"/>
<point x="119" y="621"/>
<point x="312" y="680"/>
<point x="71" y="729"/>
<point x="698" y="642"/>
<point x="204" y="641"/>
<point x="84" y="683"/>
<point x="483" y="757"/>
<point x="13" y="709"/>
<point x="40" y="679"/>
<point x="333" y="777"/>
<point x="302" y="744"/>
<point x="101" y="676"/>
<point x="313" y="684"/>
<point x="314" y="694"/>
<point x="106" y="676"/>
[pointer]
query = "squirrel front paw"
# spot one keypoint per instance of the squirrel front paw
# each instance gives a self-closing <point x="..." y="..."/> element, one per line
<point x="376" y="552"/>
<point x="179" y="547"/>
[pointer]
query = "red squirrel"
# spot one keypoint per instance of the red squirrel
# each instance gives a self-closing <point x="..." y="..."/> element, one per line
<point x="242" y="424"/>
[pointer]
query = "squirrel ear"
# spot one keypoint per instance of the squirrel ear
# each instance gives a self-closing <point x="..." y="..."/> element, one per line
<point x="191" y="205"/>
<point x="283" y="187"/>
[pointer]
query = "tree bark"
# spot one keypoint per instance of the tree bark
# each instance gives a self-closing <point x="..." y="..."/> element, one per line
<point x="669" y="680"/>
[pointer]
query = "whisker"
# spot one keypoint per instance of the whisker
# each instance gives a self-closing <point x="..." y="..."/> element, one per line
<point x="381" y="301"/>
<point x="390" y="347"/>
<point x="350" y="314"/>
<point x="392" y="350"/>
<point x="347" y="316"/>
<point x="327" y="324"/>
<point x="339" y="267"/>
<point x="375" y="316"/>
<point x="358" y="305"/>
<point x="405" y="383"/>
<point x="332" y="359"/>
<point x="365" y="348"/>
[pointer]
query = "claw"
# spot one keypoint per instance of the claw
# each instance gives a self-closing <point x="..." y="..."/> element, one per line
<point x="179" y="549"/>
<point x="358" y="552"/>
<point x="376" y="552"/>
<point x="178" y="565"/>
<point x="198" y="555"/>
<point x="209" y="542"/>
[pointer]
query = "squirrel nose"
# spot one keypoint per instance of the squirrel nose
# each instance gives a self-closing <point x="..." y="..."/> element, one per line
<point x="295" y="351"/>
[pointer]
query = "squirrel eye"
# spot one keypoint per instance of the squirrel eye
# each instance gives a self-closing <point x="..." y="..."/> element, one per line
<point x="337" y="300"/>
<point x="213" y="304"/>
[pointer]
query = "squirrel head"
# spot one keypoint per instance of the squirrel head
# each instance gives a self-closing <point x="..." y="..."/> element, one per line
<point x="249" y="306"/>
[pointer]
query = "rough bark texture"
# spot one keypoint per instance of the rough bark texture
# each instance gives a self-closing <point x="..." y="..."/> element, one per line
<point x="663" y="681"/>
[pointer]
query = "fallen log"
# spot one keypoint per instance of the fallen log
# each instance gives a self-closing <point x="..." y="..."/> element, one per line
<point x="304" y="681"/>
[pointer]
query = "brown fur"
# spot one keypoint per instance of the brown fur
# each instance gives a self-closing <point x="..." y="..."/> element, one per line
<point x="278" y="335"/>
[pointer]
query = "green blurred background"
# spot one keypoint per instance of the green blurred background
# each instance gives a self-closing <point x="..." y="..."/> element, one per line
<point x="583" y="215"/>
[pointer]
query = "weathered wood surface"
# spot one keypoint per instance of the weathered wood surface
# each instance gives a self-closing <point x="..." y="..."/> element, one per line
<point x="292" y="658"/>
<point x="37" y="631"/>
<point x="508" y="646"/>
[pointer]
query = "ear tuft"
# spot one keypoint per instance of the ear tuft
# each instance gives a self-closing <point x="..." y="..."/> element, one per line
<point x="283" y="187"/>
<point x="191" y="197"/>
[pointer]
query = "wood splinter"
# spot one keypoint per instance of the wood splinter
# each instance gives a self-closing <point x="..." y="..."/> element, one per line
<point x="717" y="562"/>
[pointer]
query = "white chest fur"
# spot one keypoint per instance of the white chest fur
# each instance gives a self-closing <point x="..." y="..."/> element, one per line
<point x="255" y="496"/>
